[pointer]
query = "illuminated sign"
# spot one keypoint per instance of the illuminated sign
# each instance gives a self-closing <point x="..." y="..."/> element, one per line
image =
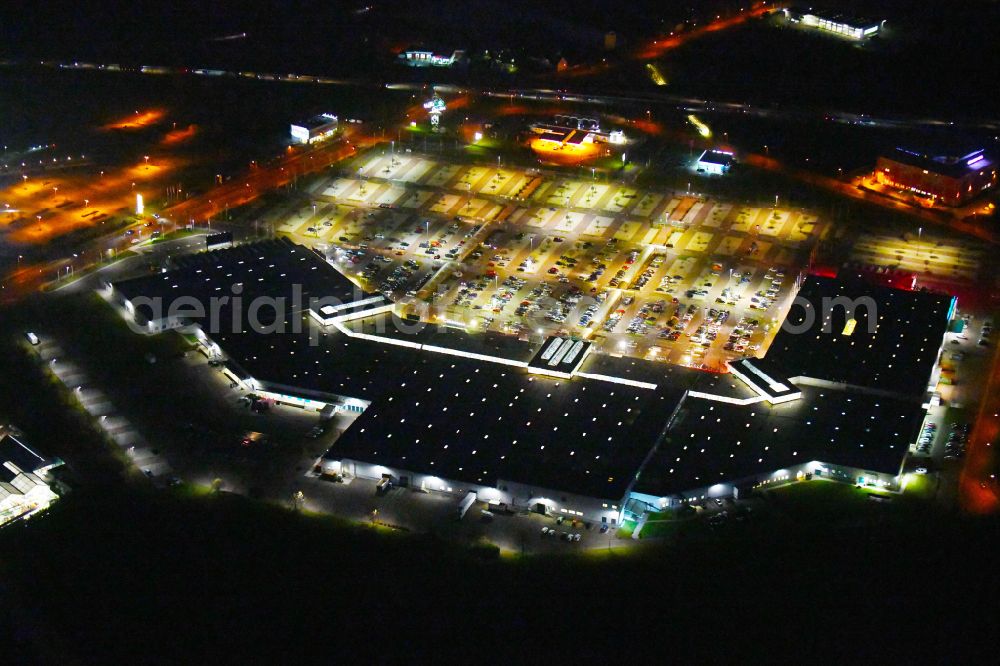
<point x="138" y="204"/>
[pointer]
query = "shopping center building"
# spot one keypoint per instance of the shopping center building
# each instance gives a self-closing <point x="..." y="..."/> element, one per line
<point x="558" y="427"/>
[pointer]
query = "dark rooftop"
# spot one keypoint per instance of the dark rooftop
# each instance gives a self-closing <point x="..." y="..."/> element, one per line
<point x="853" y="20"/>
<point x="954" y="163"/>
<point x="274" y="268"/>
<point x="892" y="347"/>
<point x="482" y="423"/>
<point x="716" y="157"/>
<point x="713" y="442"/>
<point x="14" y="451"/>
<point x="317" y="121"/>
<point x="475" y="421"/>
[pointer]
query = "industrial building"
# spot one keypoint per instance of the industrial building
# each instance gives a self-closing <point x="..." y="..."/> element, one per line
<point x="854" y="27"/>
<point x="841" y="394"/>
<point x="315" y="129"/>
<point x="951" y="178"/>
<point x="556" y="428"/>
<point x="419" y="57"/>
<point x="294" y="279"/>
<point x="714" y="162"/>
<point x="576" y="130"/>
<point x="24" y="478"/>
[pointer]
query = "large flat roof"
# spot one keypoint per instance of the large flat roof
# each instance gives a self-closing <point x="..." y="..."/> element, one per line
<point x="477" y="421"/>
<point x="470" y="420"/>
<point x="715" y="442"/>
<point x="273" y="268"/>
<point x="892" y="345"/>
<point x="836" y="16"/>
<point x="719" y="157"/>
<point x="951" y="163"/>
<point x="481" y="423"/>
<point x="15" y="451"/>
<point x="317" y="121"/>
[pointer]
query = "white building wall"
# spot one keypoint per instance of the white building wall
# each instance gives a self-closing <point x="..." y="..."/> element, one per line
<point x="818" y="469"/>
<point x="518" y="496"/>
<point x="560" y="503"/>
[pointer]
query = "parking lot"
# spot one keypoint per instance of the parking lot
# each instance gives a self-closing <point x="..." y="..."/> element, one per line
<point x="653" y="274"/>
<point x="929" y="255"/>
<point x="963" y="365"/>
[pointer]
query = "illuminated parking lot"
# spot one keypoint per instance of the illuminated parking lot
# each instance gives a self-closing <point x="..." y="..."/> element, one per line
<point x="672" y="276"/>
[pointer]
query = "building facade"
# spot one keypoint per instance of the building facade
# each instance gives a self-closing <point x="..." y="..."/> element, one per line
<point x="951" y="180"/>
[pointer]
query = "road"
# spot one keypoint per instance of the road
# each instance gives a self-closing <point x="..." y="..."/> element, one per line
<point x="26" y="278"/>
<point x="239" y="191"/>
<point x="978" y="490"/>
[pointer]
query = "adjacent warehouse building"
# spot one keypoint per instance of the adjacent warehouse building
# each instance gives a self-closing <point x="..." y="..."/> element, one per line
<point x="315" y="129"/>
<point x="838" y="23"/>
<point x="24" y="478"/>
<point x="950" y="177"/>
<point x="558" y="429"/>
<point x="715" y="162"/>
<point x="574" y="129"/>
<point x="840" y="394"/>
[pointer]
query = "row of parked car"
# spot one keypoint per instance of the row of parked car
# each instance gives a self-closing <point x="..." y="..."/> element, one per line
<point x="984" y="338"/>
<point x="958" y="439"/>
<point x="565" y="536"/>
